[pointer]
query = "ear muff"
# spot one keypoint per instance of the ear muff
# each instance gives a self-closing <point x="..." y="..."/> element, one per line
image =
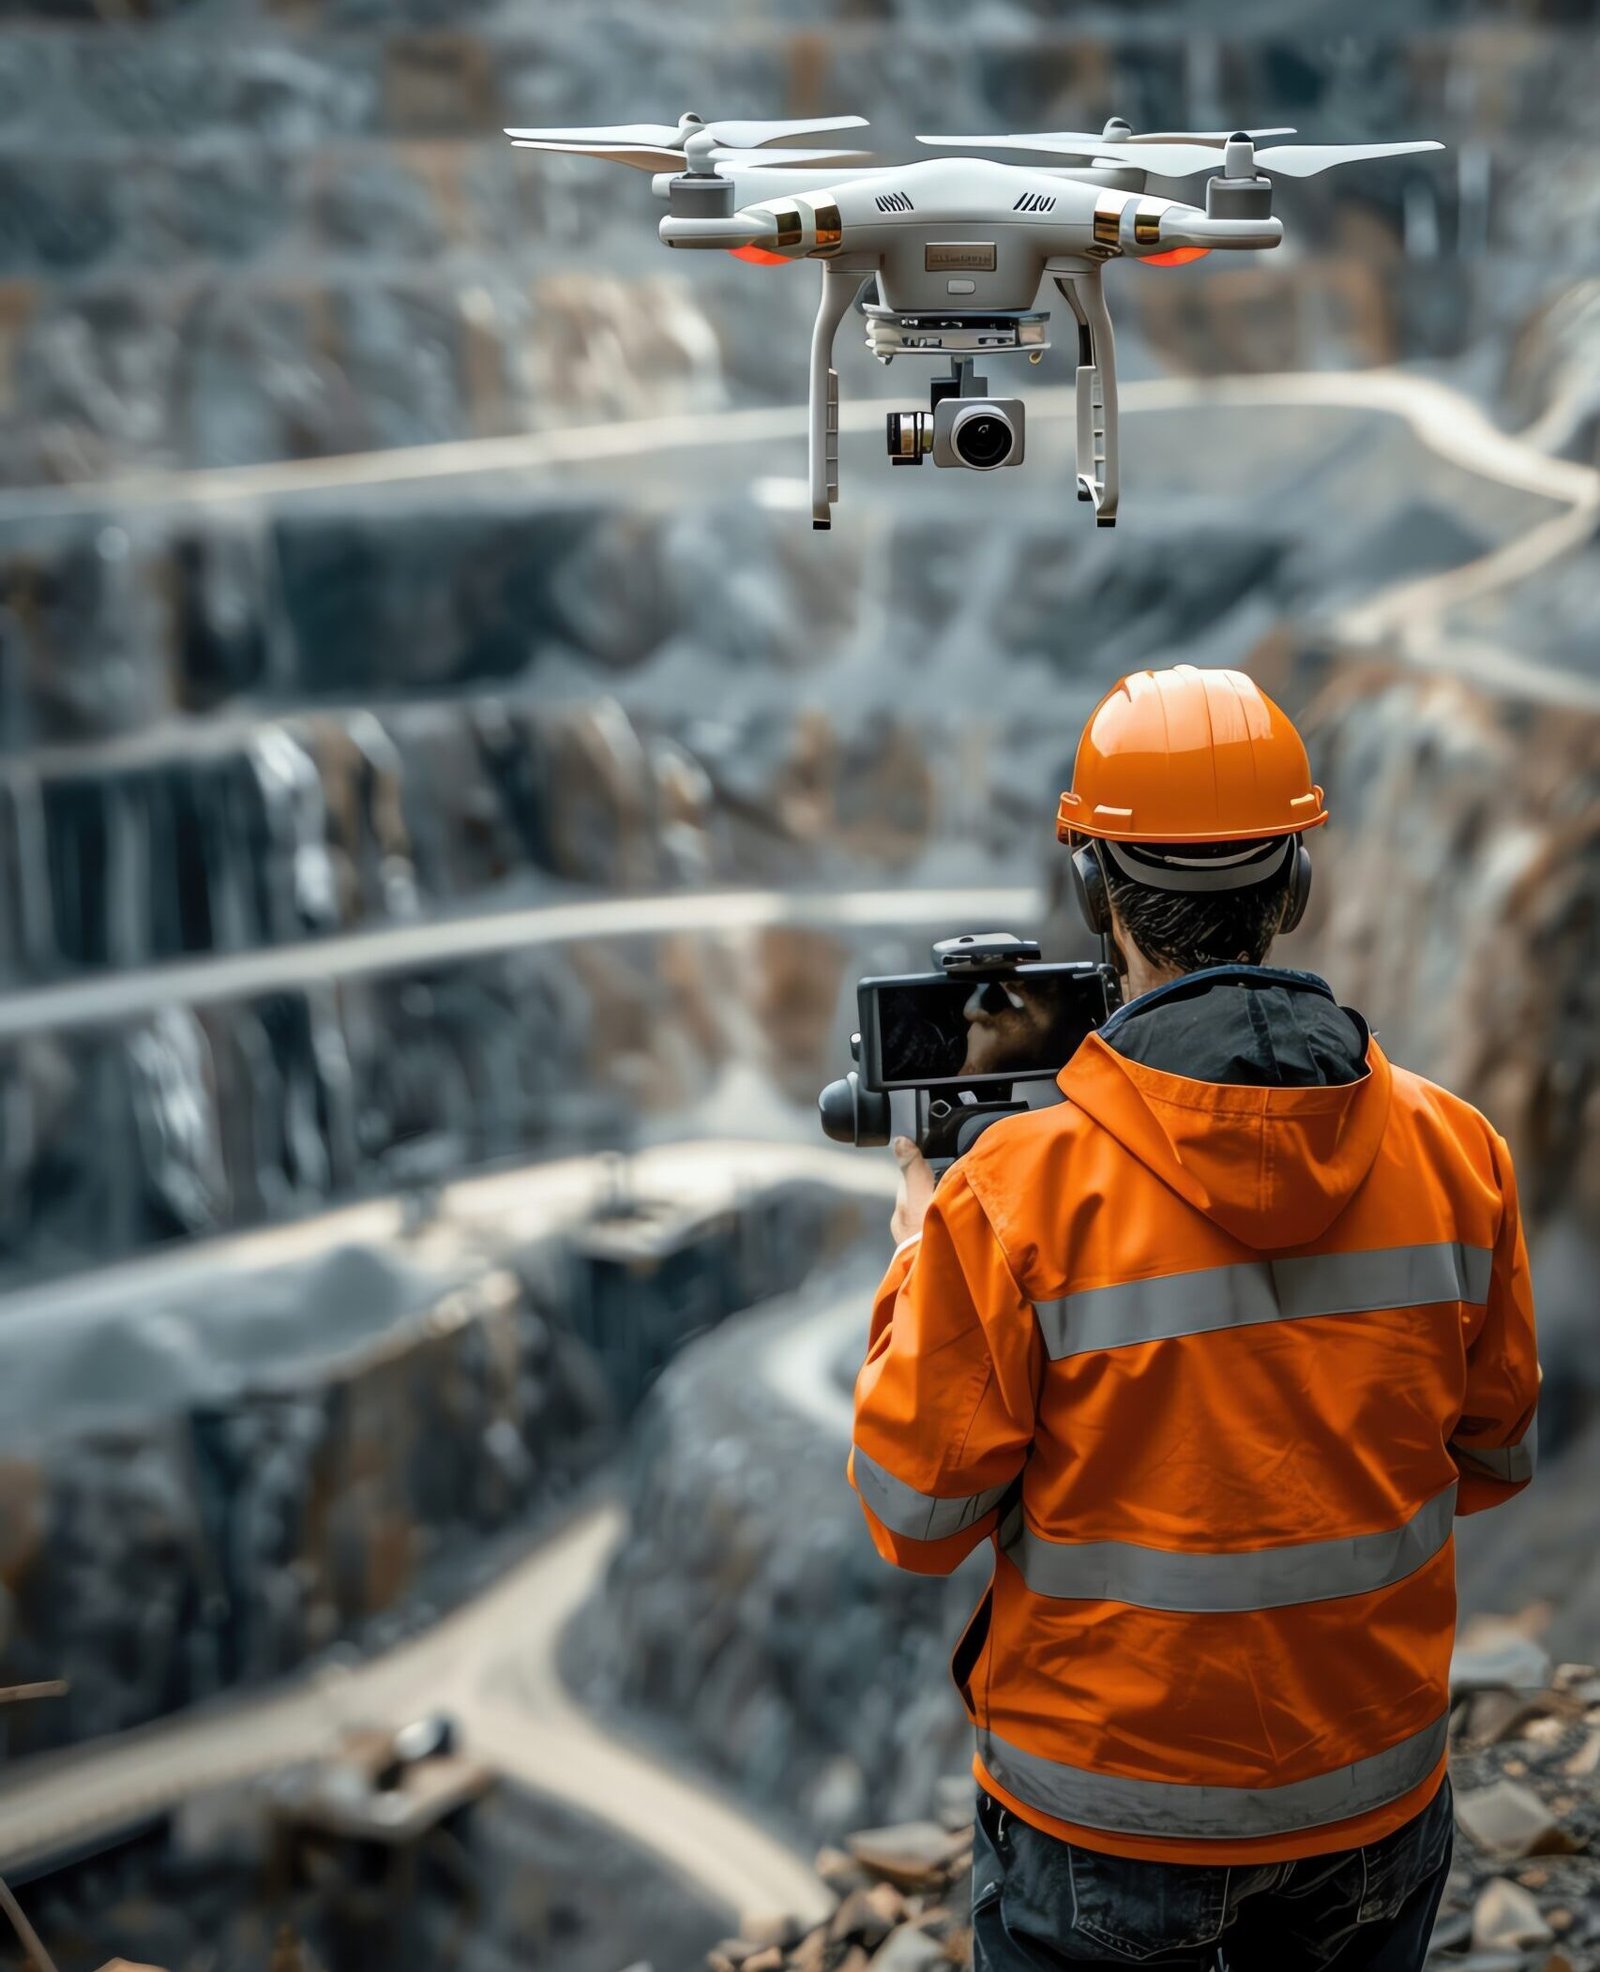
<point x="1299" y="888"/>
<point x="1089" y="887"/>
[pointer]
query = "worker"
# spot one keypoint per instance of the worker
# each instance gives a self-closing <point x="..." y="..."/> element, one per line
<point x="1212" y="1352"/>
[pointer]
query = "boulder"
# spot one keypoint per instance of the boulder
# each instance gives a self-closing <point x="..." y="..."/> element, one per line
<point x="1508" y="1820"/>
<point x="1507" y="1916"/>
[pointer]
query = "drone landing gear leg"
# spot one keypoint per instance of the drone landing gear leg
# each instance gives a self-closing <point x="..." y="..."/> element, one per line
<point x="1097" y="395"/>
<point x="838" y="294"/>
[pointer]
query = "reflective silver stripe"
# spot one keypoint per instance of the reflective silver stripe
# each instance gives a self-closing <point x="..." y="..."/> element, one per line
<point x="1197" y="1812"/>
<point x="1263" y="1291"/>
<point x="921" y="1516"/>
<point x="1512" y="1463"/>
<point x="1261" y="1578"/>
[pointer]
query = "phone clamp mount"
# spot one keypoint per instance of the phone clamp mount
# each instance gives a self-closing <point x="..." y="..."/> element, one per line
<point x="947" y="1121"/>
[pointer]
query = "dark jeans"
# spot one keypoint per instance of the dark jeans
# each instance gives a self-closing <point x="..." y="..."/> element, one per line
<point x="1039" y="1904"/>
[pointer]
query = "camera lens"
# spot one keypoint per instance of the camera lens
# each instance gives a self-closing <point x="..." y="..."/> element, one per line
<point x="909" y="437"/>
<point x="983" y="439"/>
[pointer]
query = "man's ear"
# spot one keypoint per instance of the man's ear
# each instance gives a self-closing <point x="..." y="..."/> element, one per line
<point x="1117" y="937"/>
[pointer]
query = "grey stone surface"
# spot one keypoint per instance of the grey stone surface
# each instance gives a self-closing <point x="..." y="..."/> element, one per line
<point x="1509" y="1820"/>
<point x="1511" y="1662"/>
<point x="288" y="830"/>
<point x="225" y="1116"/>
<point x="747" y="1621"/>
<point x="204" y="1485"/>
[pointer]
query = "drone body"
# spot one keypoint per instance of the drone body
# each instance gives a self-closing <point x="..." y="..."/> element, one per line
<point x="956" y="250"/>
<point x="967" y="234"/>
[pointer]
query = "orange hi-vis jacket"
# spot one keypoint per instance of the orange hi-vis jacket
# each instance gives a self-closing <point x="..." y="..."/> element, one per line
<point x="1213" y="1366"/>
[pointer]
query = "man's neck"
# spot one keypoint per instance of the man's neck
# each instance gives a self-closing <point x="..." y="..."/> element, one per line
<point x="1142" y="975"/>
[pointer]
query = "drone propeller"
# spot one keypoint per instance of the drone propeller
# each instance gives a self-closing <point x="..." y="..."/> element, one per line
<point x="1306" y="160"/>
<point x="1240" y="159"/>
<point x="737" y="136"/>
<point x="1202" y="136"/>
<point x="1084" y="143"/>
<point x="662" y="157"/>
<point x="1243" y="160"/>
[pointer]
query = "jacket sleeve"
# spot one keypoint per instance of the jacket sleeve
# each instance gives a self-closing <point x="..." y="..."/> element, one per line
<point x="1495" y="1441"/>
<point x="944" y="1404"/>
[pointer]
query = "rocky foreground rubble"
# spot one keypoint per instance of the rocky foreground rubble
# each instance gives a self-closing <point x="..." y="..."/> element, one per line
<point x="1523" y="1894"/>
<point x="903" y="1896"/>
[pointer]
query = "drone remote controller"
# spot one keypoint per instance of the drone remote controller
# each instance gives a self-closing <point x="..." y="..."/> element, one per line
<point x="942" y="1055"/>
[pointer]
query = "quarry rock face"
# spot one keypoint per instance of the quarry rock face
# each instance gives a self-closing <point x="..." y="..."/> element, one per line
<point x="196" y="1542"/>
<point x="1474" y="951"/>
<point x="207" y="1486"/>
<point x="1477" y="948"/>
<point x="685" y="738"/>
<point x="244" y="1112"/>
<point x="321" y="823"/>
<point x="747" y="1611"/>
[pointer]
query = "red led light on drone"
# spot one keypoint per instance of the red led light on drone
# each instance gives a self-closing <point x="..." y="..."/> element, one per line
<point x="759" y="257"/>
<point x="1175" y="257"/>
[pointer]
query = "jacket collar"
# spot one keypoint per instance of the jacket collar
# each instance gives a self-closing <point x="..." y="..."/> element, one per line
<point x="1207" y="977"/>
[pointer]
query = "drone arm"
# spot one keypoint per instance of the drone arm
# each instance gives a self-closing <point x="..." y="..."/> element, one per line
<point x="839" y="289"/>
<point x="738" y="229"/>
<point x="1187" y="226"/>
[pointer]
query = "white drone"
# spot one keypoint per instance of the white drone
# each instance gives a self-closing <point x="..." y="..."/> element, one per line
<point x="955" y="249"/>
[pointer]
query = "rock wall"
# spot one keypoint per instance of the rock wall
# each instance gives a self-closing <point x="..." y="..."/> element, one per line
<point x="207" y="1482"/>
<point x="241" y="714"/>
<point x="1475" y="950"/>
<point x="191" y="1120"/>
<point x="747" y="1623"/>
<point x="319" y="823"/>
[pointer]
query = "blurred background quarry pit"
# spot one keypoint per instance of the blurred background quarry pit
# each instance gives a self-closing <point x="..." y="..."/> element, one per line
<point x="446" y="799"/>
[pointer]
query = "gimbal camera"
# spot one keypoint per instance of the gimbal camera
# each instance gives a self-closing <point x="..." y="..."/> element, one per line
<point x="942" y="1055"/>
<point x="965" y="426"/>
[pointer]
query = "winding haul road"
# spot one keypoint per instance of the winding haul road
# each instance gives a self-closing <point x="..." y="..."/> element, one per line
<point x="492" y="1666"/>
<point x="493" y="1662"/>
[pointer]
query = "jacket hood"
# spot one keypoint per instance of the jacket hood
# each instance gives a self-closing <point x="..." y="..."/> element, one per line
<point x="1278" y="1117"/>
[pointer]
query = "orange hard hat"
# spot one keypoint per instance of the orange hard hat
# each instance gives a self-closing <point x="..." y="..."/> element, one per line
<point x="1189" y="756"/>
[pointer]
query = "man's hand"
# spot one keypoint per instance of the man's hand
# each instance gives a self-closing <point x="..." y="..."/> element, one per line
<point x="916" y="1190"/>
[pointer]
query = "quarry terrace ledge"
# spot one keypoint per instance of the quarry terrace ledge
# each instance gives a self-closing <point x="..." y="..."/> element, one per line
<point x="120" y="997"/>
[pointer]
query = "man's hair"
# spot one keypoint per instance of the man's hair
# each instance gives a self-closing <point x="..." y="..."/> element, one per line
<point x="1188" y="930"/>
